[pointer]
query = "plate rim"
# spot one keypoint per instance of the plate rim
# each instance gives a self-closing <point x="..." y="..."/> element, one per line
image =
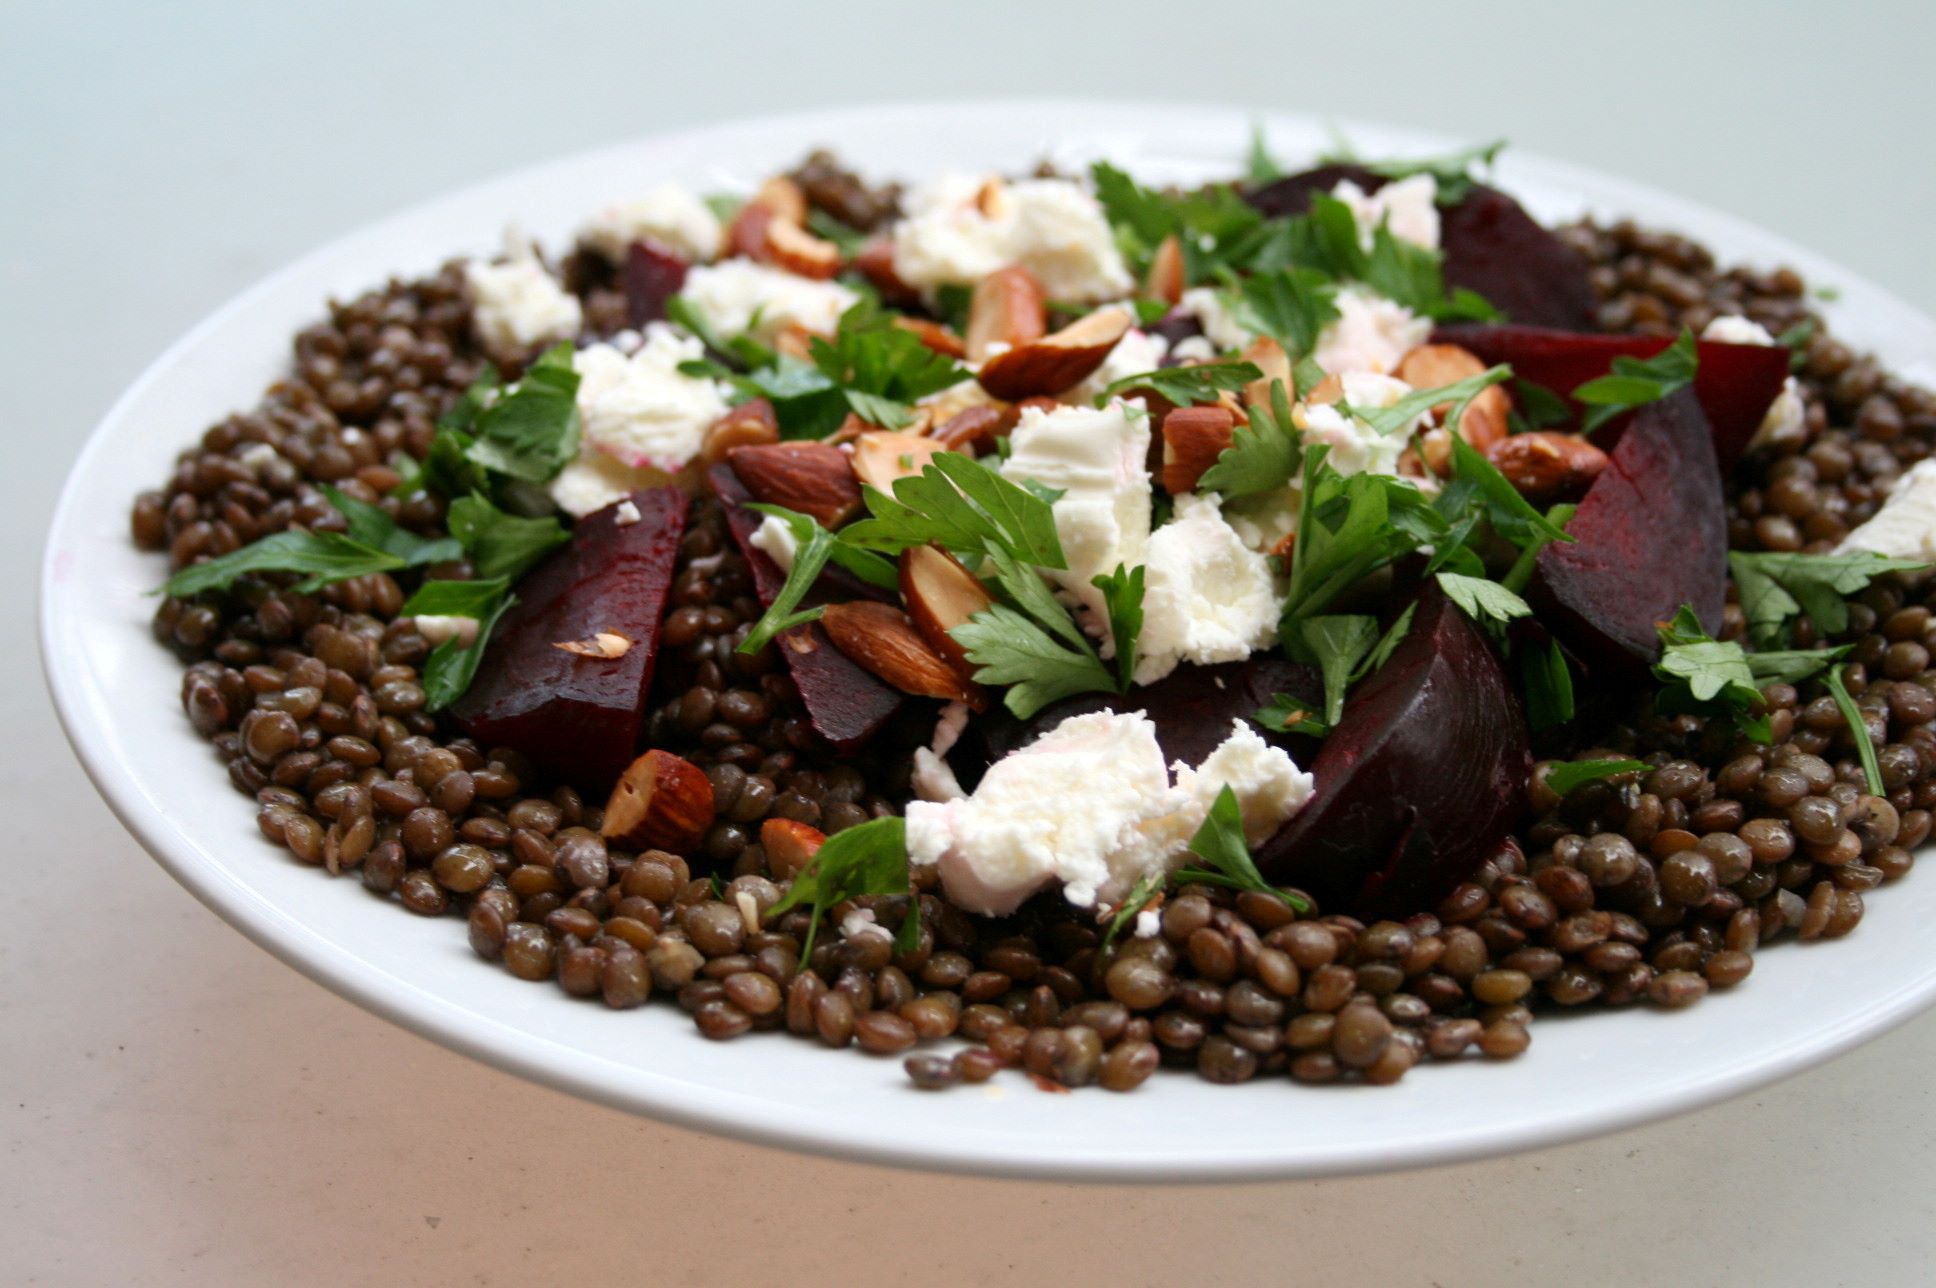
<point x="336" y="967"/>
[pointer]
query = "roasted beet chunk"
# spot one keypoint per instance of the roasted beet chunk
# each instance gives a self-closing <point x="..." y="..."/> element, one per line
<point x="578" y="715"/>
<point x="651" y="276"/>
<point x="1736" y="383"/>
<point x="845" y="704"/>
<point x="1491" y="246"/>
<point x="1419" y="783"/>
<point x="1650" y="536"/>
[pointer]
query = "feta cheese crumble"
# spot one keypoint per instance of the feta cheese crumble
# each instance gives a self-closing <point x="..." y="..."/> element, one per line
<point x="1787" y="418"/>
<point x="1099" y="458"/>
<point x="437" y="628"/>
<point x="1217" y="316"/>
<point x="1207" y="596"/>
<point x="961" y="228"/>
<point x="1409" y="208"/>
<point x="740" y="297"/>
<point x="517" y="306"/>
<point x="1371" y="333"/>
<point x="774" y="538"/>
<point x="1905" y="526"/>
<point x="1357" y="447"/>
<point x="1091" y="804"/>
<point x="670" y="215"/>
<point x="640" y="409"/>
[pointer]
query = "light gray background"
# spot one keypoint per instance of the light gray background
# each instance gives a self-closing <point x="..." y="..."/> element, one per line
<point x="176" y="1107"/>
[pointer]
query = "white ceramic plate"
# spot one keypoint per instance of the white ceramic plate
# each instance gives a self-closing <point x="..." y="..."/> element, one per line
<point x="116" y="691"/>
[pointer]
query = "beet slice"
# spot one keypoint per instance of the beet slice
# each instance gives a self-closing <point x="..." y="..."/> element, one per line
<point x="579" y="716"/>
<point x="1650" y="536"/>
<point x="1736" y="383"/>
<point x="1420" y="782"/>
<point x="1192" y="708"/>
<point x="1491" y="246"/>
<point x="845" y="704"/>
<point x="651" y="276"/>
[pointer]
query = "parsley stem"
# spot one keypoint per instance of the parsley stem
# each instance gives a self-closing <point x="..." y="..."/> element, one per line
<point x="1858" y="729"/>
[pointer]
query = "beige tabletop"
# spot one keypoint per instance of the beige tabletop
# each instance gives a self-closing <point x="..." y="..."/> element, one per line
<point x="178" y="1108"/>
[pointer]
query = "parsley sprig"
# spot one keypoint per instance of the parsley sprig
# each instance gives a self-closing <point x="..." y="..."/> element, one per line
<point x="1776" y="587"/>
<point x="371" y="543"/>
<point x="1701" y="675"/>
<point x="1220" y="843"/>
<point x="869" y="858"/>
<point x="1186" y="386"/>
<point x="1635" y="382"/>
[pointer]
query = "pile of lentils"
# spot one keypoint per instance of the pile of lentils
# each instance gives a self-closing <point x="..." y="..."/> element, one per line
<point x="1651" y="888"/>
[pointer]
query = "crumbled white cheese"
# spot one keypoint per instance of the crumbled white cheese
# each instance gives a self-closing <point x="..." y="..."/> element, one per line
<point x="1262" y="522"/>
<point x="1052" y="227"/>
<point x="627" y="514"/>
<point x="934" y="778"/>
<point x="1905" y="526"/>
<point x="1099" y="458"/>
<point x="437" y="629"/>
<point x="1215" y="313"/>
<point x="738" y="296"/>
<point x="949" y="726"/>
<point x="516" y="305"/>
<point x="859" y="923"/>
<point x="1207" y="597"/>
<point x="1135" y="353"/>
<point x="1409" y="208"/>
<point x="1787" y="418"/>
<point x="670" y="215"/>
<point x="1194" y="348"/>
<point x="1371" y="333"/>
<point x="1091" y="804"/>
<point x="1357" y="447"/>
<point x="592" y="480"/>
<point x="775" y="538"/>
<point x="640" y="412"/>
<point x="1148" y="922"/>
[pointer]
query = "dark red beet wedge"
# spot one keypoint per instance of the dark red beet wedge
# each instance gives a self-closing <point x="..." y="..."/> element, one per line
<point x="579" y="716"/>
<point x="1422" y="779"/>
<point x="1650" y="536"/>
<point x="652" y="275"/>
<point x="1491" y="245"/>
<point x="1192" y="708"/>
<point x="846" y="704"/>
<point x="1736" y="383"/>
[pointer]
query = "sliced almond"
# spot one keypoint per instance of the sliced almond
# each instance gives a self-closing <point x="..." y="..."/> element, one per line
<point x="1484" y="423"/>
<point x="1328" y="390"/>
<point x="785" y="198"/>
<point x="875" y="262"/>
<point x="750" y="424"/>
<point x="604" y="644"/>
<point x="940" y="595"/>
<point x="790" y="845"/>
<point x="1006" y="308"/>
<point x="794" y="340"/>
<point x="746" y="231"/>
<point x="976" y="430"/>
<point x="881" y="456"/>
<point x="882" y="640"/>
<point x="662" y="802"/>
<point x="813" y="478"/>
<point x="1547" y="466"/>
<point x="1164" y="281"/>
<point x="1193" y="439"/>
<point x="793" y="248"/>
<point x="1054" y="363"/>
<point x="1268" y="356"/>
<point x="937" y="337"/>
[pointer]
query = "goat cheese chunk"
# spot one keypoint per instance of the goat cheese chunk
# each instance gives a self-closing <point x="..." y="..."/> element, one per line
<point x="1099" y="460"/>
<point x="775" y="538"/>
<point x="1409" y="208"/>
<point x="1215" y="313"/>
<point x="961" y="228"/>
<point x="670" y="215"/>
<point x="1905" y="526"/>
<point x="1091" y="804"/>
<point x="1207" y="596"/>
<point x="740" y="297"/>
<point x="518" y="306"/>
<point x="641" y="409"/>
<point x="1357" y="447"/>
<point x="1370" y="333"/>
<point x="1787" y="418"/>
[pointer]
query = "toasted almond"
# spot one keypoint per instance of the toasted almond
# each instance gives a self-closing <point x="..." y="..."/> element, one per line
<point x="976" y="430"/>
<point x="875" y="262"/>
<point x="1048" y="366"/>
<point x="940" y="595"/>
<point x="793" y="248"/>
<point x="1006" y="308"/>
<point x="604" y="644"/>
<point x="882" y="640"/>
<point x="790" y="845"/>
<point x="785" y="198"/>
<point x="794" y="340"/>
<point x="1268" y="356"/>
<point x="1285" y="545"/>
<point x="1547" y="466"/>
<point x="1193" y="438"/>
<point x="937" y="337"/>
<point x="1164" y="281"/>
<point x="1328" y="390"/>
<point x="1484" y="422"/>
<point x="752" y="423"/>
<point x="746" y="231"/>
<point x="991" y="199"/>
<point x="881" y="456"/>
<point x="813" y="478"/>
<point x="661" y="801"/>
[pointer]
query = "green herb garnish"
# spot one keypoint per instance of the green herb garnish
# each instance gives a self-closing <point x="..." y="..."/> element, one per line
<point x="1292" y="305"/>
<point x="1186" y="386"/>
<point x="530" y="431"/>
<point x="501" y="544"/>
<point x="1262" y="456"/>
<point x="373" y="544"/>
<point x="1635" y="382"/>
<point x="1704" y="676"/>
<point x="1220" y="843"/>
<point x="1147" y="887"/>
<point x="869" y="858"/>
<point x="451" y="667"/>
<point x="1547" y="682"/>
<point x="1775" y="587"/>
<point x="1858" y="730"/>
<point x="1563" y="778"/>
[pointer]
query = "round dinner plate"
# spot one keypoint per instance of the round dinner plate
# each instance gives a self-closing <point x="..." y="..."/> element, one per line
<point x="116" y="691"/>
